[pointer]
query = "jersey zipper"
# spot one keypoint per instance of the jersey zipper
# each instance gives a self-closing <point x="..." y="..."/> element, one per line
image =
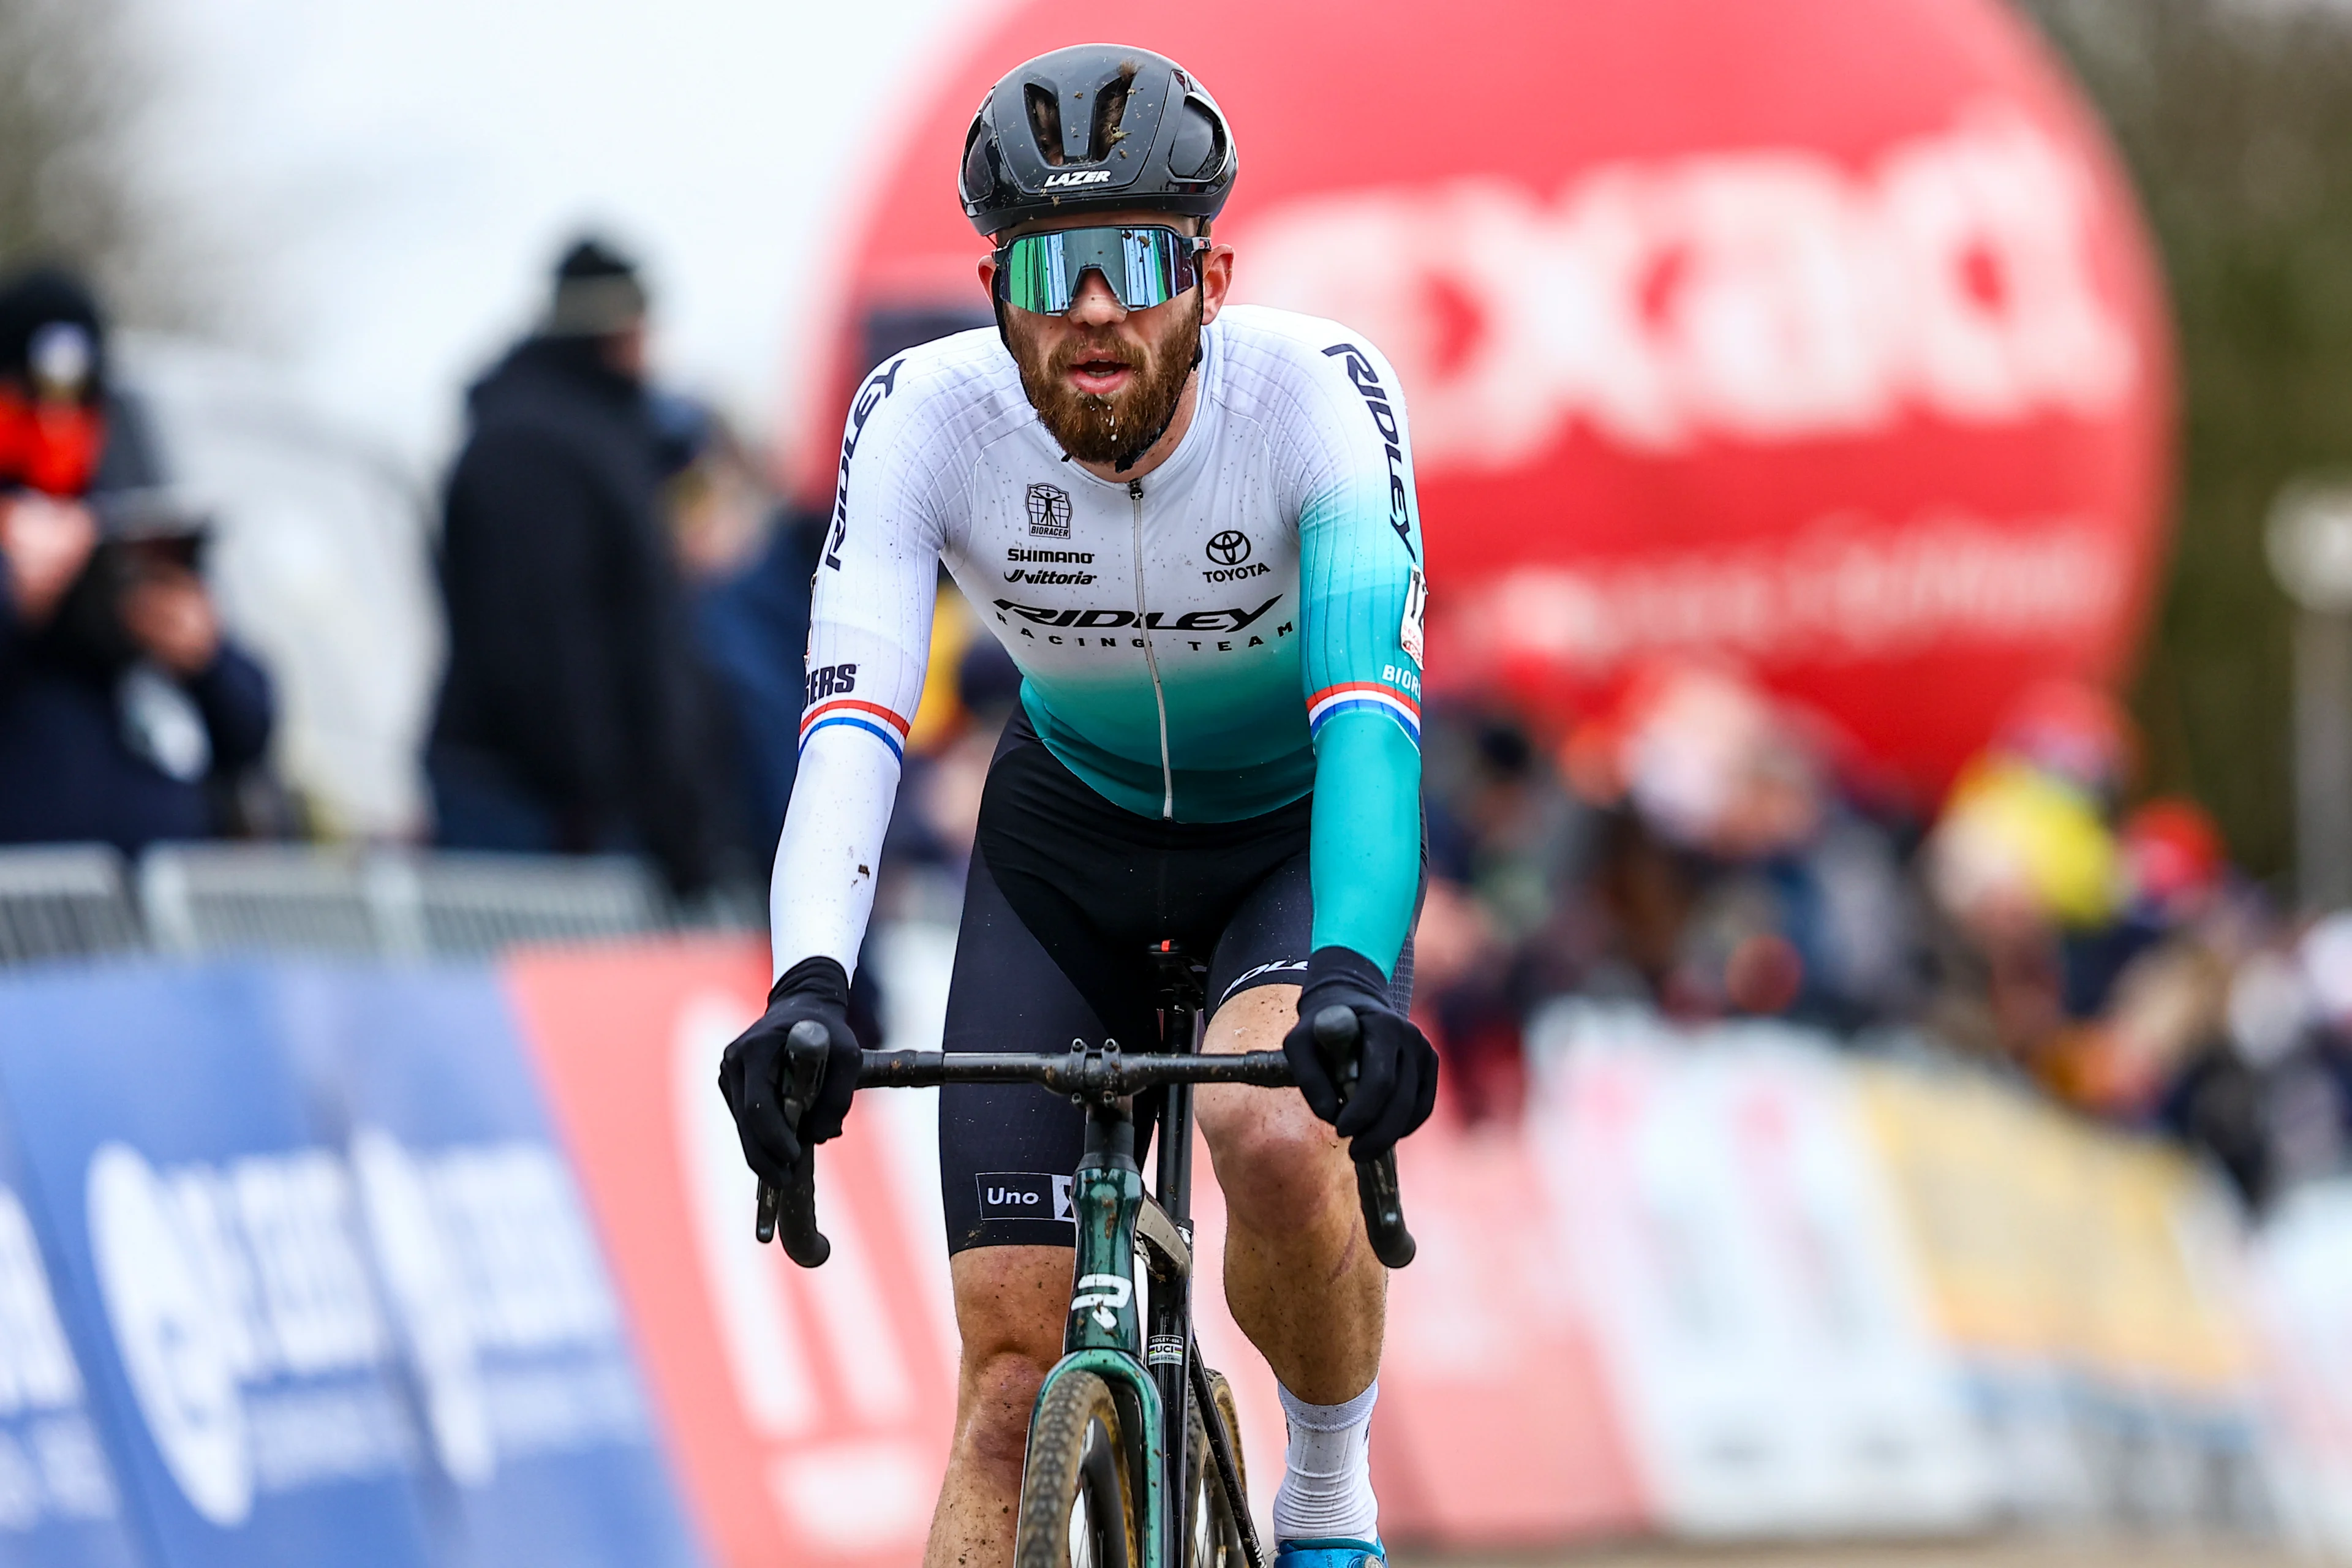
<point x="1151" y="658"/>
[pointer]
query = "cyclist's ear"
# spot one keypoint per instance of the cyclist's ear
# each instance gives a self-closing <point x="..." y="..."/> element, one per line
<point x="1216" y="280"/>
<point x="987" y="275"/>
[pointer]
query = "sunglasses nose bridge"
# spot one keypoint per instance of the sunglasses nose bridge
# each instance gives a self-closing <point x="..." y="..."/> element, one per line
<point x="1083" y="292"/>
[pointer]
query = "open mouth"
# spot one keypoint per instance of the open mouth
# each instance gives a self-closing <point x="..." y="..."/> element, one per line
<point x="1101" y="377"/>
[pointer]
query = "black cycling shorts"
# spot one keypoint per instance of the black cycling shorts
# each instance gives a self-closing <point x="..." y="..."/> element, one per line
<point x="1065" y="894"/>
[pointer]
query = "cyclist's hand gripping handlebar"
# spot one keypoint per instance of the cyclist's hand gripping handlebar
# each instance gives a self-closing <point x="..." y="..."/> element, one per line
<point x="1336" y="1031"/>
<point x="793" y="1207"/>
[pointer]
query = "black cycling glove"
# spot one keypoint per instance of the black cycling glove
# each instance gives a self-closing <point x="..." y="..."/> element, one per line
<point x="1396" y="1072"/>
<point x="755" y="1071"/>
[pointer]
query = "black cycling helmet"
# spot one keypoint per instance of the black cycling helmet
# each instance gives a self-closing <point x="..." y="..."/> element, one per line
<point x="1095" y="127"/>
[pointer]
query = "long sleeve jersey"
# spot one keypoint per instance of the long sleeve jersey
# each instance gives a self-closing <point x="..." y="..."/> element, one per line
<point x="1209" y="642"/>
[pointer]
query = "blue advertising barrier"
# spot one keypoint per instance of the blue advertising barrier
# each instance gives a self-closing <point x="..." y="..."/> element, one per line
<point x="542" y="1445"/>
<point x="227" y="1317"/>
<point x="60" y="1504"/>
<point x="328" y="1272"/>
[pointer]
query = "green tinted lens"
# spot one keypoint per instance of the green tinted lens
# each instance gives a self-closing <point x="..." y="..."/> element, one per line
<point x="1144" y="266"/>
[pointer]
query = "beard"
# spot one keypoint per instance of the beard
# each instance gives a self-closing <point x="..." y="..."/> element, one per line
<point x="1120" y="427"/>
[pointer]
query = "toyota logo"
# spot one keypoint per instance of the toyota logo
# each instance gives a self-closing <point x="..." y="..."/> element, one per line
<point x="1229" y="548"/>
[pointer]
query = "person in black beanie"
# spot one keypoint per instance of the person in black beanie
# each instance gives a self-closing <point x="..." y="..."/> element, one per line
<point x="573" y="716"/>
<point x="125" y="713"/>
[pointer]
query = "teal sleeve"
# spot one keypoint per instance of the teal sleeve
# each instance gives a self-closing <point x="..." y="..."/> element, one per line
<point x="1364" y="856"/>
<point x="1361" y="581"/>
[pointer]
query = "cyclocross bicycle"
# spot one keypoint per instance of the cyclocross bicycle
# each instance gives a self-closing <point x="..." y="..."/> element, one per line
<point x="1134" y="1456"/>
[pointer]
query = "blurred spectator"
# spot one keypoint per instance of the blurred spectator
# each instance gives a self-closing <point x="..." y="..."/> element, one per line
<point x="574" y="716"/>
<point x="747" y="565"/>
<point x="1735" y="877"/>
<point x="125" y="713"/>
<point x="2023" y="864"/>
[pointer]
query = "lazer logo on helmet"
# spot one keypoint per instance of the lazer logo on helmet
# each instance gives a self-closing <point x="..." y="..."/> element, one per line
<point x="1074" y="177"/>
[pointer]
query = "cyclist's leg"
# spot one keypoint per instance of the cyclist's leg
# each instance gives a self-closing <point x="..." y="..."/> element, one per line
<point x="1301" y="1276"/>
<point x="1006" y="1153"/>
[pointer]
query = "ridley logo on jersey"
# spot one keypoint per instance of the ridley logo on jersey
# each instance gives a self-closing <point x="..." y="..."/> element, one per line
<point x="878" y="385"/>
<point x="1232" y="620"/>
<point x="1049" y="512"/>
<point x="1391" y="434"/>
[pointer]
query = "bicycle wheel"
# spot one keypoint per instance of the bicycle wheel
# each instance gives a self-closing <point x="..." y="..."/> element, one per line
<point x="1211" y="1538"/>
<point x="1077" y="1507"/>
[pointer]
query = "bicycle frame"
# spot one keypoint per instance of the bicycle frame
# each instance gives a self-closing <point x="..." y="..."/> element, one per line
<point x="1158" y="1378"/>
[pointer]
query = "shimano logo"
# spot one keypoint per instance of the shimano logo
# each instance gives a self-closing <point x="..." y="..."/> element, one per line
<point x="1058" y="557"/>
<point x="1072" y="178"/>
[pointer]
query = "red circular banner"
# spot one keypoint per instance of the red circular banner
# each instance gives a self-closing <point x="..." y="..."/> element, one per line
<point x="1818" y="337"/>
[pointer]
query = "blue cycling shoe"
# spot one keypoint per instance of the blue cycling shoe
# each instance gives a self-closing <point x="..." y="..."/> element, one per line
<point x="1329" y="1552"/>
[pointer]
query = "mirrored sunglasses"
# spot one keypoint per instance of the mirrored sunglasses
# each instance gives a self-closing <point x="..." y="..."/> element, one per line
<point x="1144" y="267"/>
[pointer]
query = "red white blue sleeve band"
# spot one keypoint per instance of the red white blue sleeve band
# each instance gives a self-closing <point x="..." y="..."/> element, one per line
<point x="858" y="714"/>
<point x="1359" y="697"/>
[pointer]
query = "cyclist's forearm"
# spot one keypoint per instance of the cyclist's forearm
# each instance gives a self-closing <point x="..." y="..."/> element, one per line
<point x="821" y="892"/>
<point x="1364" y="857"/>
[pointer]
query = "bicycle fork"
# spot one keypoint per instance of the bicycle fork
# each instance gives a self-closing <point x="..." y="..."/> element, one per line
<point x="1103" y="1333"/>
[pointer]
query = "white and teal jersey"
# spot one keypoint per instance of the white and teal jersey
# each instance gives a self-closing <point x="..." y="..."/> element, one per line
<point x="1211" y="641"/>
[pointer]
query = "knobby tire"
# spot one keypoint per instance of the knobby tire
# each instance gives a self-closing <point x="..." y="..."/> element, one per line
<point x="1077" y="1498"/>
<point x="1212" y="1540"/>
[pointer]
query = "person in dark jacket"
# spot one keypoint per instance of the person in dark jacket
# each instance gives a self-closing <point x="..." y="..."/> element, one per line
<point x="124" y="711"/>
<point x="573" y="717"/>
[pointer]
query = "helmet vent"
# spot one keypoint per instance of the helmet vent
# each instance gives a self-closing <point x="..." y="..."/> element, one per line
<point x="978" y="177"/>
<point x="1199" y="151"/>
<point x="1045" y="123"/>
<point x="1110" y="108"/>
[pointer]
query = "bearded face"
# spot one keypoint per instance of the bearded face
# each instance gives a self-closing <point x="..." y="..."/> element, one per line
<point x="1155" y="350"/>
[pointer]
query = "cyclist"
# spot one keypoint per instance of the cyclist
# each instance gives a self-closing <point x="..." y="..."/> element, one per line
<point x="1193" y="524"/>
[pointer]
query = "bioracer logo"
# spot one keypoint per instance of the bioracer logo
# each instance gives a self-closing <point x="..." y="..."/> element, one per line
<point x="1049" y="512"/>
<point x="1069" y="178"/>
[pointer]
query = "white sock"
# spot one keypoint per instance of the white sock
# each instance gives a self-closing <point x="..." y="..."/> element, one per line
<point x="1327" y="1475"/>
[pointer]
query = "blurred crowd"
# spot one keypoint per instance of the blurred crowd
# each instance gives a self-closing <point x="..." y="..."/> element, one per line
<point x="1704" y="849"/>
<point x="626" y="605"/>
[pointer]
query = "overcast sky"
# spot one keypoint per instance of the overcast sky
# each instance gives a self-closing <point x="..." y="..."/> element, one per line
<point x="388" y="180"/>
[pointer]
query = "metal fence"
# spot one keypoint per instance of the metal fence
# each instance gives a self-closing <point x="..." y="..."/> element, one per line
<point x="192" y="900"/>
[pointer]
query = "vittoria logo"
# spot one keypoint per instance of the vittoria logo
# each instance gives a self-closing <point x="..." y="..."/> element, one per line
<point x="1230" y="548"/>
<point x="1049" y="512"/>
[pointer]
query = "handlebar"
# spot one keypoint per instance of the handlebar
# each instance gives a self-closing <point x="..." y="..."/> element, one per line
<point x="1109" y="1074"/>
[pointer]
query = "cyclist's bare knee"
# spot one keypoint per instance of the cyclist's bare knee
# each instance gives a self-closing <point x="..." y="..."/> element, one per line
<point x="1010" y="1306"/>
<point x="1271" y="1152"/>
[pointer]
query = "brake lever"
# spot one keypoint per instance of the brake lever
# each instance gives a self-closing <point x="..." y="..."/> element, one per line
<point x="793" y="1208"/>
<point x="1337" y="1031"/>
